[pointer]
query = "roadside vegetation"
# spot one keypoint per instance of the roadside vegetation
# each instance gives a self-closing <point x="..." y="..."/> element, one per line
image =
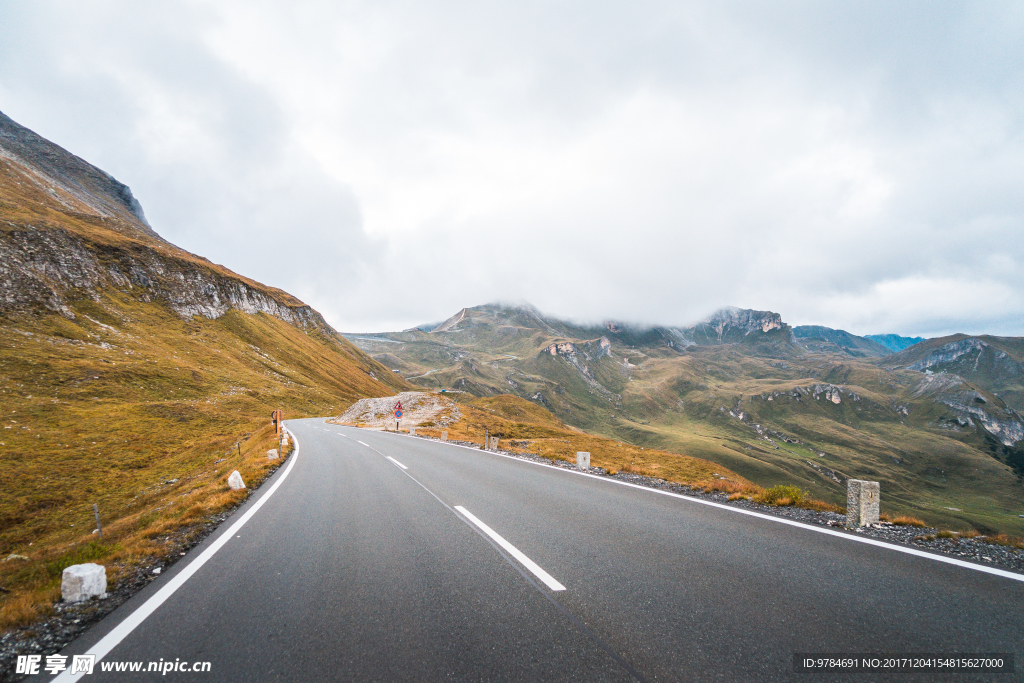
<point x="145" y="414"/>
<point x="524" y="427"/>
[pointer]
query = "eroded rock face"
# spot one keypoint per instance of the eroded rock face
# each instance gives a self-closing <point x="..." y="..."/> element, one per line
<point x="970" y="357"/>
<point x="970" y="406"/>
<point x="733" y="324"/>
<point x="106" y="243"/>
<point x="579" y="354"/>
<point x="1004" y="424"/>
<point x="50" y="268"/>
<point x="745" y="319"/>
<point x="949" y="353"/>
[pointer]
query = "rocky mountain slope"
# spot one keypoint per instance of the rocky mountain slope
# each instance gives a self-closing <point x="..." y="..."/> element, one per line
<point x="742" y="389"/>
<point x="994" y="363"/>
<point x="131" y="372"/>
<point x="894" y="342"/>
<point x="826" y="340"/>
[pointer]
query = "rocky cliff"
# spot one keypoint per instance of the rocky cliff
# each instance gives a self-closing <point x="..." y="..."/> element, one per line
<point x="69" y="230"/>
<point x="732" y="324"/>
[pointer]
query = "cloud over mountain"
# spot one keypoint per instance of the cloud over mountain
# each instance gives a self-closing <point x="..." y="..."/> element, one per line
<point x="850" y="166"/>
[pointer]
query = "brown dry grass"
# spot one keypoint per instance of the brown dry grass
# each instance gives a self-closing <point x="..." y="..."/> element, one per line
<point x="130" y="406"/>
<point x="142" y="533"/>
<point x="528" y="428"/>
<point x="525" y="427"/>
<point x="1005" y="540"/>
<point x="906" y="520"/>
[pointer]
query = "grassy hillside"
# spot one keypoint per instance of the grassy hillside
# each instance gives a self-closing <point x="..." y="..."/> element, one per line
<point x="110" y="407"/>
<point x="134" y="376"/>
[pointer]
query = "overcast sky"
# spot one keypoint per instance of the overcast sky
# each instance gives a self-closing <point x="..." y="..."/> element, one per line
<point x="858" y="165"/>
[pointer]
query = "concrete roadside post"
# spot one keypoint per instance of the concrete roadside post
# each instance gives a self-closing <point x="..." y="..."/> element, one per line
<point x="444" y="436"/>
<point x="583" y="460"/>
<point x="494" y="443"/>
<point x="862" y="499"/>
<point x="412" y="431"/>
<point x="486" y="437"/>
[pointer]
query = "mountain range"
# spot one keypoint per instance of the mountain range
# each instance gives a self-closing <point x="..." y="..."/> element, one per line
<point x="937" y="423"/>
<point x="135" y="376"/>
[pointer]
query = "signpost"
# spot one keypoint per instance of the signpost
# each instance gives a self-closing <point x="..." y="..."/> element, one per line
<point x="398" y="414"/>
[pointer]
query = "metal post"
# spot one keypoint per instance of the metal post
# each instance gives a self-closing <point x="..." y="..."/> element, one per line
<point x="485" y="439"/>
<point x="96" y="511"/>
<point x="239" y="444"/>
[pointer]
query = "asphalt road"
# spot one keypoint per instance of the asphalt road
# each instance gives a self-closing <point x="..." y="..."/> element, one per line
<point x="363" y="565"/>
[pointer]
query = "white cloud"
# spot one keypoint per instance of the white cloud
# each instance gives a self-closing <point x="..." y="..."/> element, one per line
<point x="856" y="166"/>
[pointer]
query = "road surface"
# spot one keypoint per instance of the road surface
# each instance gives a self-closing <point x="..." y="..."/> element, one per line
<point x="383" y="557"/>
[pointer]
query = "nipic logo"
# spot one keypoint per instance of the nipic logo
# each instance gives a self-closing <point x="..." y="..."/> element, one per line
<point x="83" y="664"/>
<point x="29" y="664"/>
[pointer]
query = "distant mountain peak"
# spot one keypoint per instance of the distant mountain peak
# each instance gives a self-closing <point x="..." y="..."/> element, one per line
<point x="894" y="342"/>
<point x="69" y="181"/>
<point x="744" y="319"/>
<point x="826" y="339"/>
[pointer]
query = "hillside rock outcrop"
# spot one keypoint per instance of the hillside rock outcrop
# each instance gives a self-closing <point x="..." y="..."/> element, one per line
<point x="69" y="230"/>
<point x="972" y="351"/>
<point x="732" y="325"/>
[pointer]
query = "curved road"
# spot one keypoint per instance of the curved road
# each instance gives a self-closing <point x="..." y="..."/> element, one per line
<point x="381" y="557"/>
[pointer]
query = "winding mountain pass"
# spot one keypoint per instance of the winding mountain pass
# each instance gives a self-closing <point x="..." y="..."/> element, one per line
<point x="376" y="556"/>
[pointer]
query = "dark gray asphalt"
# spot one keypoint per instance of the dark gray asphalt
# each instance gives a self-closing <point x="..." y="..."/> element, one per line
<point x="358" y="570"/>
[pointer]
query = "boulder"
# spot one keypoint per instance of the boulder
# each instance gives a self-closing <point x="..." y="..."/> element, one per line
<point x="272" y="454"/>
<point x="83" y="581"/>
<point x="235" y="481"/>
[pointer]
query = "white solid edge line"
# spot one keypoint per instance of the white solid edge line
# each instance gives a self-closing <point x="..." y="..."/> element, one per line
<point x="122" y="630"/>
<point x="396" y="462"/>
<point x="780" y="520"/>
<point x="548" y="580"/>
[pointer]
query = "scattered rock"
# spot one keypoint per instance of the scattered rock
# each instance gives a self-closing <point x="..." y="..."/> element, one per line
<point x="235" y="481"/>
<point x="14" y="556"/>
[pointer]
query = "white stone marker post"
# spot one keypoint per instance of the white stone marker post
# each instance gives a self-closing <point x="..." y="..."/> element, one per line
<point x="583" y="460"/>
<point x="444" y="436"/>
<point x="412" y="431"/>
<point x="82" y="581"/>
<point x="862" y="498"/>
<point x="494" y="443"/>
